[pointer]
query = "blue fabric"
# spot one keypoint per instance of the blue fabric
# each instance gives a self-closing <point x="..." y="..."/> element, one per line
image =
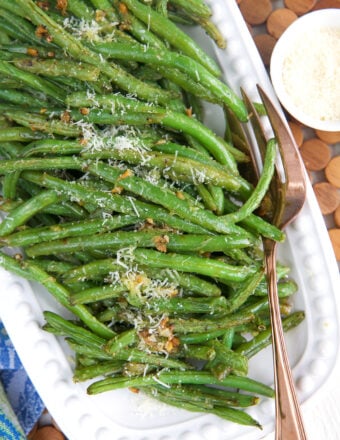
<point x="8" y="429"/>
<point x="20" y="405"/>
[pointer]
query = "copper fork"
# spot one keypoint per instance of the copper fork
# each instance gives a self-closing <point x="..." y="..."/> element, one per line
<point x="286" y="197"/>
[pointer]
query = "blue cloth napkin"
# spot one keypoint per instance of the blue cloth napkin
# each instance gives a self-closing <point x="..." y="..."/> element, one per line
<point x="20" y="404"/>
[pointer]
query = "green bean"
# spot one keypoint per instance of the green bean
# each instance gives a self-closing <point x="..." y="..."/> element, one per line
<point x="121" y="239"/>
<point x="32" y="272"/>
<point x="191" y="305"/>
<point x="79" y="9"/>
<point x="213" y="31"/>
<point x="256" y="223"/>
<point x="214" y="144"/>
<point x="178" y="17"/>
<point x="173" y="166"/>
<point x="28" y="50"/>
<point x="261" y="188"/>
<point x="121" y="341"/>
<point x="9" y="166"/>
<point x="201" y="337"/>
<point x="39" y="122"/>
<point x="51" y="146"/>
<point x="255" y="306"/>
<point x="136" y="27"/>
<point x="20" y="134"/>
<point x="186" y="83"/>
<point x="244" y="290"/>
<point x="198" y="156"/>
<point x="163" y="27"/>
<point x="197" y="352"/>
<point x="197" y="14"/>
<point x="4" y="123"/>
<point x="177" y="377"/>
<point x="140" y="356"/>
<point x="19" y="97"/>
<point x="106" y="6"/>
<point x="182" y="208"/>
<point x="161" y="7"/>
<point x="189" y="263"/>
<point x="94" y="294"/>
<point x="9" y="185"/>
<point x="226" y="362"/>
<point x="55" y="267"/>
<point x="228" y="338"/>
<point x="88" y="350"/>
<point x="55" y="67"/>
<point x="71" y="210"/>
<point x="237" y="416"/>
<point x="263" y="339"/>
<point x="193" y="325"/>
<point x="113" y="202"/>
<point x="80" y="52"/>
<point x="199" y="393"/>
<point x="28" y="237"/>
<point x="159" y="57"/>
<point x="68" y="328"/>
<point x="11" y="7"/>
<point x="82" y="374"/>
<point x="213" y="196"/>
<point x="36" y="83"/>
<point x="130" y="355"/>
<point x="91" y="271"/>
<point x="98" y="268"/>
<point x="207" y="198"/>
<point x="4" y="37"/>
<point x="217" y="194"/>
<point x="25" y="211"/>
<point x="19" y="28"/>
<point x="5" y="56"/>
<point x="9" y="205"/>
<point x="285" y="288"/>
<point x="194" y="7"/>
<point x="135" y="216"/>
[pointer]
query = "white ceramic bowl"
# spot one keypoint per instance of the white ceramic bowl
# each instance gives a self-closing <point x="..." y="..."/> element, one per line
<point x="306" y="96"/>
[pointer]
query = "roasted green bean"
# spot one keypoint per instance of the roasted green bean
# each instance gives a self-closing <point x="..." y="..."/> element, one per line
<point x="119" y="199"/>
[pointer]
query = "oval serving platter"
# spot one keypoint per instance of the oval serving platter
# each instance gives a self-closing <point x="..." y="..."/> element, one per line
<point x="122" y="415"/>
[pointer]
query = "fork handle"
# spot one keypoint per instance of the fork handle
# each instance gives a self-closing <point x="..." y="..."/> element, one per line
<point x="288" y="420"/>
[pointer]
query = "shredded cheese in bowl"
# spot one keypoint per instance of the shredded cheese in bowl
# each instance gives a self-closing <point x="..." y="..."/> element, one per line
<point x="305" y="69"/>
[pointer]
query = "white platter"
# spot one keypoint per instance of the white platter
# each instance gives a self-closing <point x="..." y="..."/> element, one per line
<point x="122" y="415"/>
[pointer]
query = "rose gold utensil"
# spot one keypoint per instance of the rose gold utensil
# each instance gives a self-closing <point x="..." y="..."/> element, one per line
<point x="286" y="196"/>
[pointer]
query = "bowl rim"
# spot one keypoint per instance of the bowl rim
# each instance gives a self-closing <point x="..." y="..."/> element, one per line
<point x="324" y="17"/>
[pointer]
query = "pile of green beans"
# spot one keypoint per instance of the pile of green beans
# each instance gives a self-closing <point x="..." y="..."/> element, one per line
<point x="127" y="207"/>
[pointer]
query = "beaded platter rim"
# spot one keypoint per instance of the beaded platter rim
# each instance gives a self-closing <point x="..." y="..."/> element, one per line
<point x="313" y="347"/>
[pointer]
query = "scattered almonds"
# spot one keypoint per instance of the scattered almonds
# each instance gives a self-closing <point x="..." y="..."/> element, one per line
<point x="337" y="217"/>
<point x="265" y="44"/>
<point x="32" y="433"/>
<point x="325" y="4"/>
<point x="327" y="196"/>
<point x="334" y="235"/>
<point x="279" y="20"/>
<point x="255" y="11"/>
<point x="47" y="433"/>
<point x="297" y="132"/>
<point x="332" y="171"/>
<point x="331" y="137"/>
<point x="300" y="7"/>
<point x="316" y="154"/>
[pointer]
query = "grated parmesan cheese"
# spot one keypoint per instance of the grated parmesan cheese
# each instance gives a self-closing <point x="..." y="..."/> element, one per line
<point x="89" y="30"/>
<point x="311" y="73"/>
